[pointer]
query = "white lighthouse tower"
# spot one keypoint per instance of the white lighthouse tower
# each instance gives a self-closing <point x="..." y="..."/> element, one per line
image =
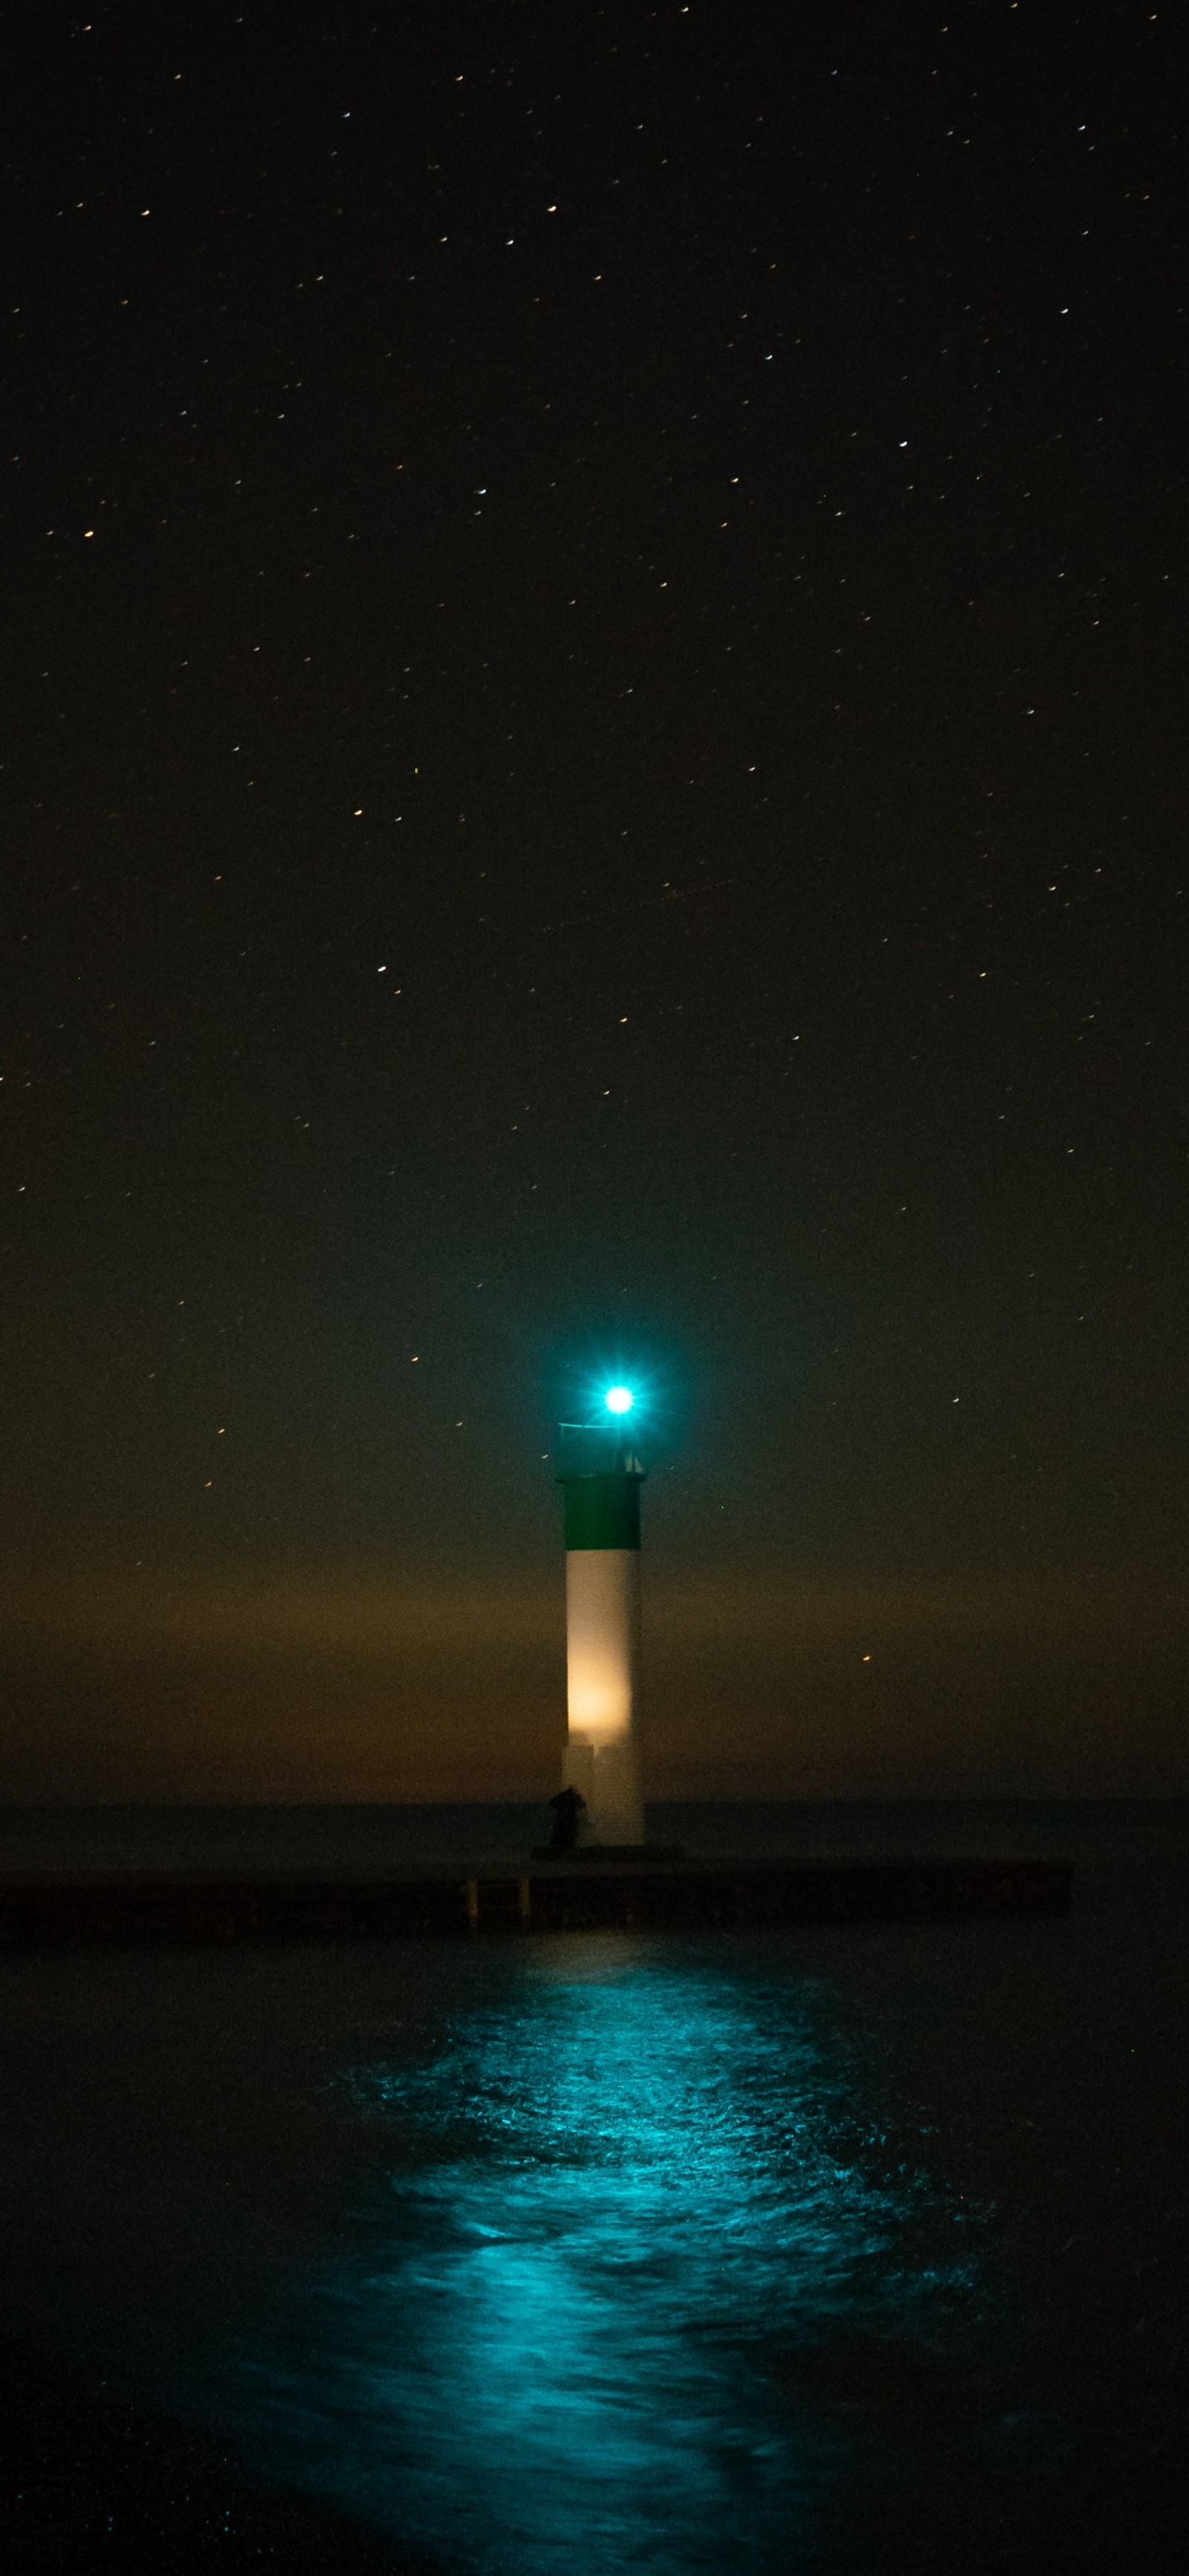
<point x="601" y="1478"/>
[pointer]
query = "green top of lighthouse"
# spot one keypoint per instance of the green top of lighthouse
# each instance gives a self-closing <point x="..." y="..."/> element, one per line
<point x="603" y="1511"/>
<point x="600" y="1476"/>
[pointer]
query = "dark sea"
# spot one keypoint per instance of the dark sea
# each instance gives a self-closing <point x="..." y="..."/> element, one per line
<point x="837" y="2250"/>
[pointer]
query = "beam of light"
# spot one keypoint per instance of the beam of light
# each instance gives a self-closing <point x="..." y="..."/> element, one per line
<point x="618" y="1399"/>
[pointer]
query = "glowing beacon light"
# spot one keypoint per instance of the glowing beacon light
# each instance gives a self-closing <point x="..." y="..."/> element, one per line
<point x="618" y="1399"/>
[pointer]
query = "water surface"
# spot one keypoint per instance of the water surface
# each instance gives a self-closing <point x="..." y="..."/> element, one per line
<point x="821" y="2249"/>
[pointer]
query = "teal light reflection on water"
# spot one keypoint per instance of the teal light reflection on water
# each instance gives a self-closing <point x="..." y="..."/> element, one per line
<point x="613" y="2197"/>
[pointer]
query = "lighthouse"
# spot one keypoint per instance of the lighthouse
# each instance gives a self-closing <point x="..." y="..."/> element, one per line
<point x="600" y="1477"/>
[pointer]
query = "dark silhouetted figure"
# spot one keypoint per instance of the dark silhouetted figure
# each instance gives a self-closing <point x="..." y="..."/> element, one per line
<point x="567" y="1807"/>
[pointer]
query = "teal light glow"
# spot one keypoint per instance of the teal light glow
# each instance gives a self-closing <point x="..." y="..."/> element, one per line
<point x="624" y="2206"/>
<point x="618" y="1399"/>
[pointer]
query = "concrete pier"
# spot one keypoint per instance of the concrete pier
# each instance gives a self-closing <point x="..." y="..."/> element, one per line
<point x="557" y="1896"/>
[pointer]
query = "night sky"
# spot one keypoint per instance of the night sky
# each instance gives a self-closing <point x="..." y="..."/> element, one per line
<point x="594" y="778"/>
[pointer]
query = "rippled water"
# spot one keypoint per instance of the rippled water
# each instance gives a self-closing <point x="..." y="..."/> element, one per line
<point x="640" y="2253"/>
<point x="612" y="2193"/>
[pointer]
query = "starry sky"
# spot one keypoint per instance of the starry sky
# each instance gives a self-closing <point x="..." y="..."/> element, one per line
<point x="594" y="781"/>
